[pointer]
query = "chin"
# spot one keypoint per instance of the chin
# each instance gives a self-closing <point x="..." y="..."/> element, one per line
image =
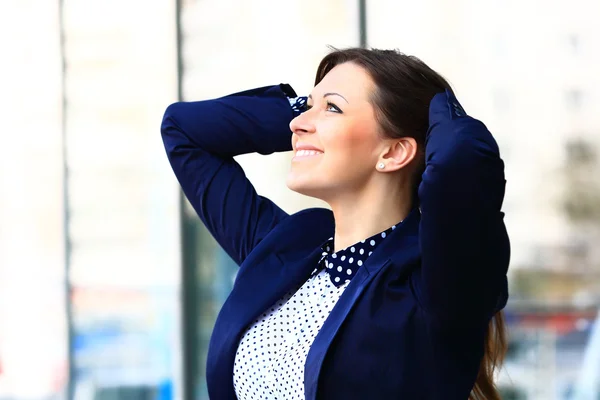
<point x="303" y="185"/>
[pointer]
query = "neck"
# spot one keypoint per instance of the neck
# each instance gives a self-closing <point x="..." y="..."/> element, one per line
<point x="366" y="213"/>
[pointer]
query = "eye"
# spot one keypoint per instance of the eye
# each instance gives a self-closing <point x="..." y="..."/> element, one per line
<point x="333" y="108"/>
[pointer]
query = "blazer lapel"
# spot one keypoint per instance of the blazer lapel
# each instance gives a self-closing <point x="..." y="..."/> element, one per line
<point x="266" y="278"/>
<point x="318" y="350"/>
<point x="260" y="289"/>
<point x="404" y="236"/>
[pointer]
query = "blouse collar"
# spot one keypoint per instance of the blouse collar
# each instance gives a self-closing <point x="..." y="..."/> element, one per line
<point x="342" y="265"/>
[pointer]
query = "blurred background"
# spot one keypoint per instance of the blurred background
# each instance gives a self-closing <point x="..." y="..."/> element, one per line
<point x="109" y="285"/>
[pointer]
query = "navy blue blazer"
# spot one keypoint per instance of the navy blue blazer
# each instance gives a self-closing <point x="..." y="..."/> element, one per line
<point x="411" y="323"/>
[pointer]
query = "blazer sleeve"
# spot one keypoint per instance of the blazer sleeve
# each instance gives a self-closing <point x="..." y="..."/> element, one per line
<point x="201" y="138"/>
<point x="464" y="244"/>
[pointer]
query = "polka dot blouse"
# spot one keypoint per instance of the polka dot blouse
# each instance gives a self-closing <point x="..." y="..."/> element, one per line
<point x="269" y="362"/>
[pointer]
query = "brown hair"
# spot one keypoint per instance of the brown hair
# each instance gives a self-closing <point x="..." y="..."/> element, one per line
<point x="405" y="86"/>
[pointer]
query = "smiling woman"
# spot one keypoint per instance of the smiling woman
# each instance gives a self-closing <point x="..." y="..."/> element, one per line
<point x="397" y="291"/>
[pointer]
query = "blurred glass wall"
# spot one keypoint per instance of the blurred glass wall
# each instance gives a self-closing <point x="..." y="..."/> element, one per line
<point x="121" y="202"/>
<point x="100" y="255"/>
<point x="33" y="349"/>
<point x="90" y="232"/>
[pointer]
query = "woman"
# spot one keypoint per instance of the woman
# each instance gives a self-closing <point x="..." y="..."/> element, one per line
<point x="393" y="294"/>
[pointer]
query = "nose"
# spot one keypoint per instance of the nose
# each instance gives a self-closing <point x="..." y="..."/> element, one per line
<point x="302" y="124"/>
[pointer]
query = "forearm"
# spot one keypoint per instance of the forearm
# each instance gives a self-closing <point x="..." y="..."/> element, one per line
<point x="463" y="238"/>
<point x="201" y="138"/>
<point x="252" y="121"/>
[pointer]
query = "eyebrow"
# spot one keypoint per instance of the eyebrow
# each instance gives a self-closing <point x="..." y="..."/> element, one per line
<point x="331" y="94"/>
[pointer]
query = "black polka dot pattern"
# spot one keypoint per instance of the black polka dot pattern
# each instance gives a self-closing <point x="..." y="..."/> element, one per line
<point x="342" y="265"/>
<point x="269" y="362"/>
<point x="298" y="104"/>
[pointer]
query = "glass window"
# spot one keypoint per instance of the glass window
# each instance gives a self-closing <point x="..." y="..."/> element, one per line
<point x="33" y="328"/>
<point x="122" y="201"/>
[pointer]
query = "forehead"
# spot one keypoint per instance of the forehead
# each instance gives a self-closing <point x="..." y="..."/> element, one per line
<point x="348" y="79"/>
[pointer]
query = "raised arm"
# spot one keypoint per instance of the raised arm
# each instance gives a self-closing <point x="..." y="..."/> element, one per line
<point x="464" y="244"/>
<point x="201" y="138"/>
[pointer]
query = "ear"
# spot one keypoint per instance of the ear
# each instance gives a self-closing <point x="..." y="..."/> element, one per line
<point x="397" y="154"/>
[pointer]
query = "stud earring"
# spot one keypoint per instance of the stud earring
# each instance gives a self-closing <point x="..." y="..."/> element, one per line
<point x="381" y="165"/>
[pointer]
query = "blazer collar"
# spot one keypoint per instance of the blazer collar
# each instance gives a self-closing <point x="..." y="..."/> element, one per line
<point x="391" y="249"/>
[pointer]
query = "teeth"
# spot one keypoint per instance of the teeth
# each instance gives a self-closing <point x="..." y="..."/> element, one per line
<point x="304" y="153"/>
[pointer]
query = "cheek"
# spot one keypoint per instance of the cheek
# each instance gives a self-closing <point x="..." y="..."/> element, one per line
<point x="356" y="143"/>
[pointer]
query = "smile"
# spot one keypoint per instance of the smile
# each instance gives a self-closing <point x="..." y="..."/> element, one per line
<point x="306" y="153"/>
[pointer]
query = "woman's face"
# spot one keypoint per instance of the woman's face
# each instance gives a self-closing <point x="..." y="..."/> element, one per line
<point x="336" y="141"/>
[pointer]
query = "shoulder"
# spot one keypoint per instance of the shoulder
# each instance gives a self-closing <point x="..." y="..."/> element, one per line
<point x="315" y="222"/>
<point x="323" y="217"/>
<point x="301" y="231"/>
